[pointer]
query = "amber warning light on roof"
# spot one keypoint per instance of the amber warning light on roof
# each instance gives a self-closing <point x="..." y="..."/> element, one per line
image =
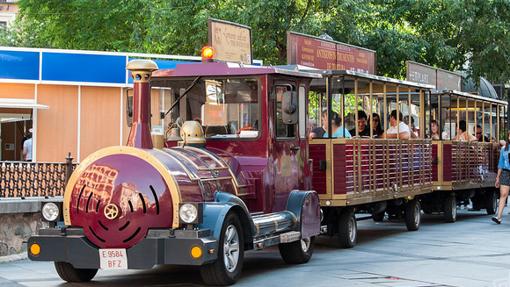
<point x="207" y="54"/>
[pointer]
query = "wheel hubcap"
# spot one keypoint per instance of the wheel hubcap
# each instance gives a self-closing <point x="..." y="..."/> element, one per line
<point x="352" y="229"/>
<point x="454" y="209"/>
<point x="231" y="248"/>
<point x="417" y="214"/>
<point x="305" y="244"/>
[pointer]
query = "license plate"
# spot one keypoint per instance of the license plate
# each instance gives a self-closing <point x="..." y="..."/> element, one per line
<point x="111" y="259"/>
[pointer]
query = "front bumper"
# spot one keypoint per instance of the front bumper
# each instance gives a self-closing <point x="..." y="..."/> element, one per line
<point x="159" y="247"/>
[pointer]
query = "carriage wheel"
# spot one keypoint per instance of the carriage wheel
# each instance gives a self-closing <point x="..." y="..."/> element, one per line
<point x="347" y="228"/>
<point x="68" y="273"/>
<point x="491" y="201"/>
<point x="297" y="252"/>
<point x="413" y="215"/>
<point x="227" y="268"/>
<point x="450" y="208"/>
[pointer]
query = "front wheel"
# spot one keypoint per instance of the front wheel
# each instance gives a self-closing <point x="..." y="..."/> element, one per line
<point x="347" y="228"/>
<point x="413" y="215"/>
<point x="227" y="268"/>
<point x="297" y="252"/>
<point x="68" y="273"/>
<point x="450" y="209"/>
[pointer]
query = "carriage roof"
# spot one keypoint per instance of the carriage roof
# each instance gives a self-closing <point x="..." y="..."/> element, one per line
<point x="471" y="96"/>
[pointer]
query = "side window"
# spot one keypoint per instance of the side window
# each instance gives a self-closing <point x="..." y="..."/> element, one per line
<point x="283" y="130"/>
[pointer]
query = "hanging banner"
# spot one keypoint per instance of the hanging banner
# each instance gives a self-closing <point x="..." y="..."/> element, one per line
<point x="319" y="53"/>
<point x="230" y="41"/>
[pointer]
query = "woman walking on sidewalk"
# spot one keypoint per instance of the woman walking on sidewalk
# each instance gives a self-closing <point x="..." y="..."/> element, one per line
<point x="503" y="179"/>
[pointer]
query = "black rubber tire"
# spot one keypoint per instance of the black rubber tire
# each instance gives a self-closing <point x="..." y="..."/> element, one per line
<point x="347" y="228"/>
<point x="491" y="202"/>
<point x="450" y="209"/>
<point x="413" y="215"/>
<point x="68" y="273"/>
<point x="294" y="253"/>
<point x="216" y="273"/>
<point x="378" y="217"/>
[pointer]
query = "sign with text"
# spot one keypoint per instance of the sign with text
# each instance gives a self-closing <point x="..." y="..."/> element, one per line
<point x="230" y="41"/>
<point x="326" y="54"/>
<point x="441" y="79"/>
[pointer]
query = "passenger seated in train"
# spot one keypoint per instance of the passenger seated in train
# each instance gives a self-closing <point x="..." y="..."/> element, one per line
<point x="434" y="128"/>
<point x="318" y="132"/>
<point x="479" y="134"/>
<point x="377" y="125"/>
<point x="463" y="134"/>
<point x="363" y="128"/>
<point x="412" y="128"/>
<point x="398" y="129"/>
<point x="336" y="128"/>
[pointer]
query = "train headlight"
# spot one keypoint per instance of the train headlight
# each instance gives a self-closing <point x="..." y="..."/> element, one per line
<point x="190" y="213"/>
<point x="50" y="211"/>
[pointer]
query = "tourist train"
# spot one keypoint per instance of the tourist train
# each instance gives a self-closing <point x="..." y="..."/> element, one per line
<point x="245" y="167"/>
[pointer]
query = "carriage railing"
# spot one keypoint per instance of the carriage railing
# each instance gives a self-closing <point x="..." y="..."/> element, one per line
<point x="473" y="162"/>
<point x="371" y="167"/>
<point x="33" y="179"/>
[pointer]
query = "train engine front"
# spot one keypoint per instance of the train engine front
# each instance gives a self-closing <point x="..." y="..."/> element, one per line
<point x="135" y="206"/>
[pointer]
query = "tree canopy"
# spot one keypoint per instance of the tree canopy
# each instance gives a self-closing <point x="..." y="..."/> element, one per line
<point x="469" y="35"/>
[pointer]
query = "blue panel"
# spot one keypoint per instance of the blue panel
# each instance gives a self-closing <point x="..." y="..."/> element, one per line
<point x="164" y="64"/>
<point x="19" y="65"/>
<point x="84" y="68"/>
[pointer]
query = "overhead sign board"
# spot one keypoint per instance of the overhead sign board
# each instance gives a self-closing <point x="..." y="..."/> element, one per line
<point x="320" y="53"/>
<point x="230" y="41"/>
<point x="441" y="79"/>
<point x="447" y="80"/>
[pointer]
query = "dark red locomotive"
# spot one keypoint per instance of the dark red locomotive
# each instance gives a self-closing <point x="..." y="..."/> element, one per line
<point x="237" y="179"/>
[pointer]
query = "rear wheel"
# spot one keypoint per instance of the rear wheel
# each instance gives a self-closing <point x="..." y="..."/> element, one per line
<point x="297" y="252"/>
<point x="347" y="228"/>
<point x="450" y="208"/>
<point x="491" y="202"/>
<point x="378" y="217"/>
<point x="413" y="215"/>
<point x="227" y="268"/>
<point x="68" y="273"/>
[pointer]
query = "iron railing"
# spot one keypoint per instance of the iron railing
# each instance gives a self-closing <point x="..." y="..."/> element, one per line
<point x="34" y="179"/>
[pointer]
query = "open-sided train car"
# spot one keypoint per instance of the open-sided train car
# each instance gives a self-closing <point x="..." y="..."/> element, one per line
<point x="369" y="172"/>
<point x="466" y="129"/>
<point x="237" y="179"/>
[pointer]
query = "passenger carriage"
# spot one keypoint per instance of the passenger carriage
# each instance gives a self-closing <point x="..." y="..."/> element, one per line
<point x="369" y="173"/>
<point x="465" y="170"/>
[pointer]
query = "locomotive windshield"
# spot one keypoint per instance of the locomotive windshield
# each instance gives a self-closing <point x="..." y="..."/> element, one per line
<point x="226" y="107"/>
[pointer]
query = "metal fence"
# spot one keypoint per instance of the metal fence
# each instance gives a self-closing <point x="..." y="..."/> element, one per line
<point x="34" y="179"/>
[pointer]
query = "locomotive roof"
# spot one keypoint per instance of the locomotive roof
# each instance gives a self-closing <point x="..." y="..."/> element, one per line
<point x="227" y="69"/>
<point x="472" y="96"/>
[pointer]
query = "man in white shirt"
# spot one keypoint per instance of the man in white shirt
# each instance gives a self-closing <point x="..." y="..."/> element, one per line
<point x="27" y="147"/>
<point x="398" y="129"/>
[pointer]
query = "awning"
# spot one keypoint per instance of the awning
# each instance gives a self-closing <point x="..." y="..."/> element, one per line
<point x="21" y="104"/>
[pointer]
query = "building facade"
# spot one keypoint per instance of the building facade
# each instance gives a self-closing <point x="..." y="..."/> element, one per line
<point x="70" y="101"/>
<point x="8" y="12"/>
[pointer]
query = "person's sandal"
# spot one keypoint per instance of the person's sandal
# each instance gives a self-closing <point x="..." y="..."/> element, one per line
<point x="497" y="220"/>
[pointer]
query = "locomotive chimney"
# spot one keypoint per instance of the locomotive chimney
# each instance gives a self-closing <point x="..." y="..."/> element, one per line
<point x="140" y="133"/>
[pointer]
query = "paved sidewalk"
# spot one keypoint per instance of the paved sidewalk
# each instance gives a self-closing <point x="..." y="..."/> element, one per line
<point x="471" y="252"/>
